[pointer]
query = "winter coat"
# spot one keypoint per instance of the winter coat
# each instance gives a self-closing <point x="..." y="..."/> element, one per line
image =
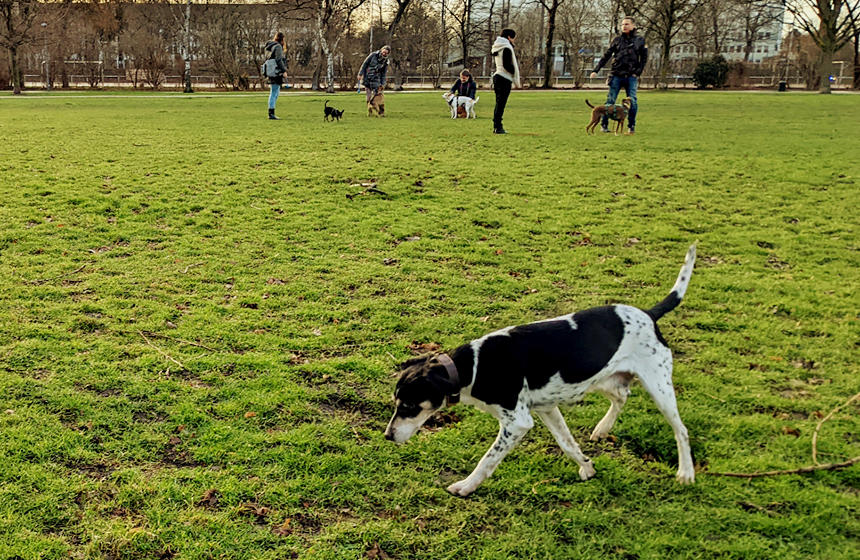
<point x="373" y="70"/>
<point x="465" y="89"/>
<point x="276" y="51"/>
<point x="630" y="53"/>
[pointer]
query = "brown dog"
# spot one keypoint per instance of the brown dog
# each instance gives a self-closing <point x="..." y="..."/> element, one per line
<point x="614" y="112"/>
<point x="376" y="104"/>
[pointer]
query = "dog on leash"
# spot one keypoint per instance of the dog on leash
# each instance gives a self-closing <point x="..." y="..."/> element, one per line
<point x="515" y="371"/>
<point x="331" y="112"/>
<point x="458" y="102"/>
<point x="614" y="112"/>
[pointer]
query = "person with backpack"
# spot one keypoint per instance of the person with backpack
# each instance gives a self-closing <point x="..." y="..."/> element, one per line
<point x="275" y="48"/>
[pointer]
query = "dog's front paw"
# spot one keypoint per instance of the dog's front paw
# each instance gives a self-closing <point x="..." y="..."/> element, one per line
<point x="686" y="477"/>
<point x="462" y="488"/>
<point x="598" y="434"/>
<point x="586" y="471"/>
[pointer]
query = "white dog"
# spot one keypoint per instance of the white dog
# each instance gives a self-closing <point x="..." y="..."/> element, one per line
<point x="515" y="371"/>
<point x="455" y="101"/>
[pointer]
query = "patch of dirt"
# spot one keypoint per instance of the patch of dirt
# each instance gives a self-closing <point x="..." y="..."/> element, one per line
<point x="173" y="455"/>
<point x="370" y="413"/>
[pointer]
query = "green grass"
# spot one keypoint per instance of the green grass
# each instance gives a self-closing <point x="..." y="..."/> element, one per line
<point x="132" y="227"/>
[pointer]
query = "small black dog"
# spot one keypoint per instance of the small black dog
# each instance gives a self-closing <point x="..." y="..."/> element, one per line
<point x="331" y="112"/>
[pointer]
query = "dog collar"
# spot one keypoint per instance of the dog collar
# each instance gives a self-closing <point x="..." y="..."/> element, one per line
<point x="453" y="375"/>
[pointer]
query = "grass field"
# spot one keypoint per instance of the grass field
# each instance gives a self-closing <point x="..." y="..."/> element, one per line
<point x="198" y="327"/>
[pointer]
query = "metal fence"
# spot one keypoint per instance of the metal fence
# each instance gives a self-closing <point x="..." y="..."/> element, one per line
<point x="36" y="81"/>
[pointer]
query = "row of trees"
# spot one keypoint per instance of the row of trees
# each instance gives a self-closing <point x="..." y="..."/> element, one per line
<point x="329" y="38"/>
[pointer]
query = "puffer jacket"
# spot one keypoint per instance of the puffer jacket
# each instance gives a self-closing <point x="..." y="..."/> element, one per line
<point x="630" y="53"/>
<point x="276" y="51"/>
<point x="373" y="70"/>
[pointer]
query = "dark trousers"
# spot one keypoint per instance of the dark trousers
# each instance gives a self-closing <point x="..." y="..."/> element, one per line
<point x="502" y="87"/>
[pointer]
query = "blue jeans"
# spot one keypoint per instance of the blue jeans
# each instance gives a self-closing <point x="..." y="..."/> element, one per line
<point x="630" y="84"/>
<point x="273" y="95"/>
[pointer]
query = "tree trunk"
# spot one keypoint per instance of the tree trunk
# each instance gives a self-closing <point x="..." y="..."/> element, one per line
<point x="549" y="59"/>
<point x="856" y="83"/>
<point x="187" y="48"/>
<point x="329" y="73"/>
<point x="17" y="82"/>
<point x="666" y="47"/>
<point x="825" y="69"/>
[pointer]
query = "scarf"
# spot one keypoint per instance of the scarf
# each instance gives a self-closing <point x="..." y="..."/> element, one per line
<point x="503" y="43"/>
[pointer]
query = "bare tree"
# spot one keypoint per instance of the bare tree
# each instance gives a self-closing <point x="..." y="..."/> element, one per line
<point x="467" y="25"/>
<point x="752" y="16"/>
<point x="835" y="26"/>
<point x="551" y="7"/>
<point x="574" y="24"/>
<point x="664" y="19"/>
<point x="334" y="19"/>
<point x="148" y="40"/>
<point x="711" y="26"/>
<point x="19" y="27"/>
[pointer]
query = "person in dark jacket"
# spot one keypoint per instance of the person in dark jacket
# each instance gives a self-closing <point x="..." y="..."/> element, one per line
<point x="275" y="48"/>
<point x="630" y="54"/>
<point x="506" y="76"/>
<point x="465" y="86"/>
<point x="372" y="75"/>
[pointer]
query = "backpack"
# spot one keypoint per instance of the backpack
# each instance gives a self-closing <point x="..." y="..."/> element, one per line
<point x="269" y="69"/>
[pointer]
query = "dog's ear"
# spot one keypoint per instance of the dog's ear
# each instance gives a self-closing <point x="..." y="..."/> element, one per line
<point x="439" y="378"/>
<point x="414" y="361"/>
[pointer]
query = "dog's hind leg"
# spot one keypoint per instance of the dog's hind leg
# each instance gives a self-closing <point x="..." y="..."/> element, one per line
<point x="558" y="427"/>
<point x="616" y="387"/>
<point x="512" y="427"/>
<point x="656" y="377"/>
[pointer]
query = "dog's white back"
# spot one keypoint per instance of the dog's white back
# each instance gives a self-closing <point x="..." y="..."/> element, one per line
<point x="455" y="101"/>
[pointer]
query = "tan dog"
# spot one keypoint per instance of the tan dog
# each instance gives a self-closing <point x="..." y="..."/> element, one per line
<point x="376" y="104"/>
<point x="614" y="112"/>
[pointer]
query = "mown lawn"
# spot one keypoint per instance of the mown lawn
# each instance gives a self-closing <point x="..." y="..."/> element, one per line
<point x="198" y="328"/>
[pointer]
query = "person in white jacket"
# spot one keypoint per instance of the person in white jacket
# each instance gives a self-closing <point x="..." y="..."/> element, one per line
<point x="507" y="75"/>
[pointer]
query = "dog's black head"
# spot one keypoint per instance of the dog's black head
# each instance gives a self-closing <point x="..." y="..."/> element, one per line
<point x="421" y="390"/>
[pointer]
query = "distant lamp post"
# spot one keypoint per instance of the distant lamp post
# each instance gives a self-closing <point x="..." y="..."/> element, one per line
<point x="44" y="25"/>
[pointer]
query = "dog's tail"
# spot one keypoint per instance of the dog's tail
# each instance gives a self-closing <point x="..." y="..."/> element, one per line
<point x="589" y="104"/>
<point x="678" y="290"/>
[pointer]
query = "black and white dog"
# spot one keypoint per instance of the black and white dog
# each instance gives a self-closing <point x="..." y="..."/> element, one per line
<point x="535" y="367"/>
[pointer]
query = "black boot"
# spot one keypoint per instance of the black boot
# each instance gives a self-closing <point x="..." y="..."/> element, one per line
<point x="272" y="115"/>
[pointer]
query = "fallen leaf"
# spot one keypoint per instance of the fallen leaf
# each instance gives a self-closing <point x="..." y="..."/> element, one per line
<point x="424" y="347"/>
<point x="252" y="508"/>
<point x="790" y="431"/>
<point x="210" y="498"/>
<point x="376" y="552"/>
<point x="250" y="414"/>
<point x="283" y="529"/>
